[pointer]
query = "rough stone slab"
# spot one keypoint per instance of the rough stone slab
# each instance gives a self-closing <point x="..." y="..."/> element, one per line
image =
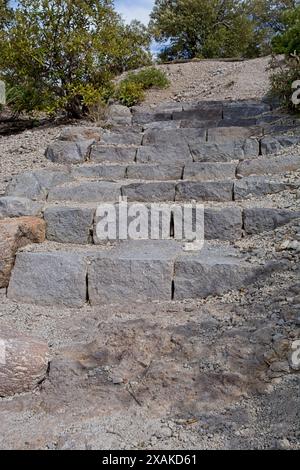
<point x="18" y="207"/>
<point x="173" y="137"/>
<point x="269" y="166"/>
<point x="271" y="145"/>
<point x="204" y="191"/>
<point x="255" y="186"/>
<point x="200" y="111"/>
<point x="210" y="272"/>
<point x="62" y="151"/>
<point x="25" y="362"/>
<point x="209" y="171"/>
<point x="15" y="234"/>
<point x="239" y="122"/>
<point x="69" y="224"/>
<point x="99" y="171"/>
<point x="244" y="109"/>
<point x="155" y="172"/>
<point x="225" y="151"/>
<point x="36" y="184"/>
<point x="260" y="220"/>
<point x="102" y="153"/>
<point x="149" y="192"/>
<point x="197" y="123"/>
<point x="125" y="137"/>
<point x="223" y="134"/>
<point x="119" y="115"/>
<point x="179" y="154"/>
<point x="86" y="191"/>
<point x="81" y="133"/>
<point x="136" y="271"/>
<point x="159" y="125"/>
<point x="143" y="116"/>
<point x="223" y="224"/>
<point x="49" y="278"/>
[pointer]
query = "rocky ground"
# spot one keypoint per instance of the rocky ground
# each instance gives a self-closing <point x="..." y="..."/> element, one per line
<point x="211" y="374"/>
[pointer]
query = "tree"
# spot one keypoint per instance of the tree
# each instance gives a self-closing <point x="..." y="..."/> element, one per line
<point x="266" y="16"/>
<point x="5" y="12"/>
<point x="201" y="28"/>
<point x="288" y="40"/>
<point x="62" y="53"/>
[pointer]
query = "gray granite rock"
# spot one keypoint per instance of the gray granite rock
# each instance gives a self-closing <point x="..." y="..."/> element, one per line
<point x="258" y="220"/>
<point x="69" y="224"/>
<point x="223" y="224"/>
<point x="256" y="186"/>
<point x="162" y="154"/>
<point x="224" y="151"/>
<point x="204" y="191"/>
<point x="50" y="278"/>
<point x="155" y="172"/>
<point x="36" y="185"/>
<point x="61" y="151"/>
<point x="149" y="192"/>
<point x="18" y="207"/>
<point x="86" y="191"/>
<point x="269" y="166"/>
<point x="110" y="172"/>
<point x="198" y="171"/>
<point x="136" y="271"/>
<point x="103" y="153"/>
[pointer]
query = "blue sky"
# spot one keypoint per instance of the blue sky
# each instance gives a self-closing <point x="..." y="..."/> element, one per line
<point x="135" y="9"/>
<point x="132" y="9"/>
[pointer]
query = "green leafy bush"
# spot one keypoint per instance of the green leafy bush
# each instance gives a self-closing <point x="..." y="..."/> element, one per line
<point x="288" y="41"/>
<point x="63" y="54"/>
<point x="130" y="93"/>
<point x="149" y="78"/>
<point x="131" y="90"/>
<point x="282" y="80"/>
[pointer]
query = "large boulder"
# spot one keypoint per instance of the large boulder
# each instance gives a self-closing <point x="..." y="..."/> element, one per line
<point x="24" y="363"/>
<point x="15" y="234"/>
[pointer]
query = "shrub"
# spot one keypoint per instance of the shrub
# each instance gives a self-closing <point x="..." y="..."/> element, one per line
<point x="130" y="93"/>
<point x="131" y="89"/>
<point x="288" y="40"/>
<point x="282" y="79"/>
<point x="149" y="78"/>
<point x="66" y="52"/>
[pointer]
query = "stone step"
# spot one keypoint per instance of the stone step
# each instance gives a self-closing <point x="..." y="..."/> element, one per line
<point x="134" y="271"/>
<point x="200" y="187"/>
<point x="78" y="224"/>
<point x="238" y="111"/>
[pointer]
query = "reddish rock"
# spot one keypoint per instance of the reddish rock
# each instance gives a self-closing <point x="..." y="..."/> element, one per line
<point x="15" y="234"/>
<point x="23" y="363"/>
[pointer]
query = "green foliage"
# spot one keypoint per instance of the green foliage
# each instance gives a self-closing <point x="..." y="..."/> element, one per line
<point x="66" y="52"/>
<point x="282" y="79"/>
<point x="130" y="93"/>
<point x="216" y="28"/>
<point x="149" y="78"/>
<point x="201" y="28"/>
<point x="131" y="90"/>
<point x="288" y="41"/>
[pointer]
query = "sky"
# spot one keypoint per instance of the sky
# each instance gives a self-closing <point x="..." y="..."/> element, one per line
<point x="135" y="9"/>
<point x="131" y="9"/>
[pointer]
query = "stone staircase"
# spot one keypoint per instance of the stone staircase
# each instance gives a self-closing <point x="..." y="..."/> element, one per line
<point x="224" y="155"/>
